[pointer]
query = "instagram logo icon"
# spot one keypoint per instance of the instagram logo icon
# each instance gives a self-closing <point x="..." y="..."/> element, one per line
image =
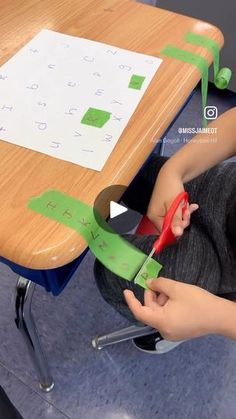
<point x="210" y="112"/>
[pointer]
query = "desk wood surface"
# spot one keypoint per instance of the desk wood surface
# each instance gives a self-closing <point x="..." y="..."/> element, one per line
<point x="27" y="238"/>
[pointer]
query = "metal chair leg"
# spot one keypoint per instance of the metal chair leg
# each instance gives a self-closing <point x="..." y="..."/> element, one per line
<point x="25" y="323"/>
<point x="128" y="333"/>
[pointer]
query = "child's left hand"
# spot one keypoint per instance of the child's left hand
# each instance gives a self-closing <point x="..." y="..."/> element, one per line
<point x="177" y="310"/>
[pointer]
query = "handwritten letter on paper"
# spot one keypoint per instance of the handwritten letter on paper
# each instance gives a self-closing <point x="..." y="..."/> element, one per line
<point x="71" y="98"/>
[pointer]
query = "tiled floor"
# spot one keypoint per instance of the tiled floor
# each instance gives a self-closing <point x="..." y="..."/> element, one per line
<point x="194" y="381"/>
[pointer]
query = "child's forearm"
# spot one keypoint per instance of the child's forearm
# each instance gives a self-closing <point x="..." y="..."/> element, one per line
<point x="227" y="318"/>
<point x="205" y="150"/>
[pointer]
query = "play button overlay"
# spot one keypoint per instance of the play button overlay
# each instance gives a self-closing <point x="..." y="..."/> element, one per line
<point x="116" y="209"/>
<point x="109" y="205"/>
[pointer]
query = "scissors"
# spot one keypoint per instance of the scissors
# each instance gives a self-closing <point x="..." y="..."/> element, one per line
<point x="167" y="236"/>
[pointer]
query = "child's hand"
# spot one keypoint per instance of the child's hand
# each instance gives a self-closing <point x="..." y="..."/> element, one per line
<point x="177" y="310"/>
<point x="167" y="187"/>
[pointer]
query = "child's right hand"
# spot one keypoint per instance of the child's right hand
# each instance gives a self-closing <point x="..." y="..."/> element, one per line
<point x="166" y="189"/>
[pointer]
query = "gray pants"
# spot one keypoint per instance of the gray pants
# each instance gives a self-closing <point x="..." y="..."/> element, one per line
<point x="204" y="256"/>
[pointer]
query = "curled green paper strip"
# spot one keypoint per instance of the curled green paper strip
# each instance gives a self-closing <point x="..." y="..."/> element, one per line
<point x="113" y="251"/>
<point x="197" y="60"/>
<point x="221" y="77"/>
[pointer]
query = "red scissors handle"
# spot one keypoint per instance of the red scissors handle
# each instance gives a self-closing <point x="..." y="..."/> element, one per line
<point x="167" y="237"/>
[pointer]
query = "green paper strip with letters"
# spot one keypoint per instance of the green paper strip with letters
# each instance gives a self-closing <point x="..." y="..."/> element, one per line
<point x="113" y="251"/>
<point x="197" y="60"/>
<point x="221" y="77"/>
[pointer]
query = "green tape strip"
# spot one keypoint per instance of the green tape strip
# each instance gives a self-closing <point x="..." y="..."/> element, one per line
<point x="221" y="77"/>
<point x="136" y="82"/>
<point x="95" y="117"/>
<point x="114" y="252"/>
<point x="197" y="60"/>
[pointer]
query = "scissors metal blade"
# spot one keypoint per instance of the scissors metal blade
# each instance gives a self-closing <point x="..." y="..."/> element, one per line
<point x="142" y="269"/>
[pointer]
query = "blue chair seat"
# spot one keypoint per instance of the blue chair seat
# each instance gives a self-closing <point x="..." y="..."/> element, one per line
<point x="53" y="280"/>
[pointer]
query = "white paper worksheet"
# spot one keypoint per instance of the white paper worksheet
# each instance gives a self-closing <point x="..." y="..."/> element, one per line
<point x="71" y="97"/>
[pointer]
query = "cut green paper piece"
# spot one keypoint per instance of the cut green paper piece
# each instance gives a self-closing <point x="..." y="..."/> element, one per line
<point x="136" y="82"/>
<point x="197" y="60"/>
<point x="95" y="117"/>
<point x="221" y="77"/>
<point x="113" y="251"/>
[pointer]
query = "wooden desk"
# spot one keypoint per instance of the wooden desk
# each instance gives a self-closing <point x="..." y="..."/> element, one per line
<point x="30" y="239"/>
